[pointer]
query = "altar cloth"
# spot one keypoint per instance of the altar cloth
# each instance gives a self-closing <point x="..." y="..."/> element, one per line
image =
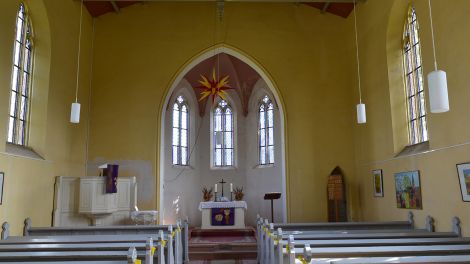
<point x="237" y="210"/>
<point x="232" y="204"/>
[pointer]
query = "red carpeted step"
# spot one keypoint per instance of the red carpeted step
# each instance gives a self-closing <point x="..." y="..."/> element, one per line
<point x="222" y="244"/>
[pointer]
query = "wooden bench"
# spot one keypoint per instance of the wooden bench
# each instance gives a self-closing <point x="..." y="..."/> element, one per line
<point x="69" y="257"/>
<point x="176" y="249"/>
<point x="148" y="247"/>
<point x="181" y="229"/>
<point x="271" y="252"/>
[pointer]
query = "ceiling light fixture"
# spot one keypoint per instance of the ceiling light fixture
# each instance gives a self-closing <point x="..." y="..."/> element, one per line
<point x="75" y="110"/>
<point x="437" y="81"/>
<point x="361" y="107"/>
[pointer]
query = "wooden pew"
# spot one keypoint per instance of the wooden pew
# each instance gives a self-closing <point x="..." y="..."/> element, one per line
<point x="181" y="245"/>
<point x="176" y="248"/>
<point x="270" y="251"/>
<point x="338" y="227"/>
<point x="87" y="243"/>
<point x="71" y="257"/>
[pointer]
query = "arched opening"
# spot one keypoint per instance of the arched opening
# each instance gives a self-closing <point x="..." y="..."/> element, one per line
<point x="180" y="186"/>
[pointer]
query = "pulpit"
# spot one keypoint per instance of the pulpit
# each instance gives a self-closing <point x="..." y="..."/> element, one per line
<point x="223" y="215"/>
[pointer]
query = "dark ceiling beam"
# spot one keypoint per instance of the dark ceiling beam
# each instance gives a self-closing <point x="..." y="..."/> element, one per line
<point x="325" y="7"/>
<point x="115" y="6"/>
<point x="251" y="1"/>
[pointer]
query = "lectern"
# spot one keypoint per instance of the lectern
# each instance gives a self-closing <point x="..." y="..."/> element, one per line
<point x="272" y="196"/>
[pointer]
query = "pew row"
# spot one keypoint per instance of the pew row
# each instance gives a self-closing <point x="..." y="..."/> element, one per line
<point x="181" y="227"/>
<point x="82" y="247"/>
<point x="270" y="251"/>
<point x="150" y="246"/>
<point x="68" y="257"/>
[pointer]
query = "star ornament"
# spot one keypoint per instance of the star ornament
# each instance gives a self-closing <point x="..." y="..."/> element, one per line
<point x="214" y="87"/>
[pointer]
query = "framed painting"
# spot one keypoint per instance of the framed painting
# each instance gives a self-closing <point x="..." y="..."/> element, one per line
<point x="378" y="183"/>
<point x="408" y="190"/>
<point x="463" y="170"/>
<point x="2" y="179"/>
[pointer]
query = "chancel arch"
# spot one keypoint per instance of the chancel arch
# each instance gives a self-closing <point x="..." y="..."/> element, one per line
<point x="180" y="186"/>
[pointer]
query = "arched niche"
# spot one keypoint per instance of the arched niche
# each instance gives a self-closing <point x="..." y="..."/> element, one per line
<point x="268" y="85"/>
<point x="41" y="72"/>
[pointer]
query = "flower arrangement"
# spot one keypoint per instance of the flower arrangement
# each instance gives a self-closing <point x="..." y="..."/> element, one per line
<point x="238" y="191"/>
<point x="207" y="194"/>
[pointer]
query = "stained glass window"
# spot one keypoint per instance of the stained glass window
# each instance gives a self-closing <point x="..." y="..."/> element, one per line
<point x="223" y="135"/>
<point x="180" y="136"/>
<point x="21" y="79"/>
<point x="414" y="85"/>
<point x="266" y="131"/>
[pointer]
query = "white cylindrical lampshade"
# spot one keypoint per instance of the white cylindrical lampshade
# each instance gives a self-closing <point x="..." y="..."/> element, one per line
<point x="361" y="113"/>
<point x="75" y="113"/>
<point x="438" y="95"/>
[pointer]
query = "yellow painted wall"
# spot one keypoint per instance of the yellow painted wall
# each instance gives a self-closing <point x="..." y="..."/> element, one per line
<point x="377" y="142"/>
<point x="29" y="183"/>
<point x="141" y="49"/>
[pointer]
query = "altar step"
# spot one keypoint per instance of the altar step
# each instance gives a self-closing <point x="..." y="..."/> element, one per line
<point x="233" y="245"/>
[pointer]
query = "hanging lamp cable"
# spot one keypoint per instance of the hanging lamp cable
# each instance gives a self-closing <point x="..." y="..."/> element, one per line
<point x="357" y="55"/>
<point x="432" y="36"/>
<point x="79" y="51"/>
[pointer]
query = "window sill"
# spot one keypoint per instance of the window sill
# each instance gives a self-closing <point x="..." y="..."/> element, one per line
<point x="223" y="168"/>
<point x="414" y="149"/>
<point x="262" y="166"/>
<point x="182" y="167"/>
<point x="21" y="151"/>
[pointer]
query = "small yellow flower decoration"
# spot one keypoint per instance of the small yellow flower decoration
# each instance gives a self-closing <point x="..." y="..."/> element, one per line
<point x="213" y="87"/>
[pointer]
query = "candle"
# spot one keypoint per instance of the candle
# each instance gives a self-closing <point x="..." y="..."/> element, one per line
<point x="215" y="187"/>
<point x="231" y="187"/>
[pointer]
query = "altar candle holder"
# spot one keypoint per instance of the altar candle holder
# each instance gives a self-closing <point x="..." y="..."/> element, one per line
<point x="215" y="196"/>
<point x="231" y="196"/>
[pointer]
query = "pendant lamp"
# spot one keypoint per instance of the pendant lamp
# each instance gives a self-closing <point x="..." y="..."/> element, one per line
<point x="361" y="107"/>
<point x="75" y="110"/>
<point x="437" y="81"/>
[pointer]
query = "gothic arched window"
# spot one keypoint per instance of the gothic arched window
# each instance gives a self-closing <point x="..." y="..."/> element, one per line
<point x="223" y="134"/>
<point x="21" y="79"/>
<point x="180" y="136"/>
<point x="414" y="85"/>
<point x="266" y="131"/>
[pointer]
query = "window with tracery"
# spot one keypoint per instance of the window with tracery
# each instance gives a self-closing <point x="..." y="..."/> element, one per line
<point x="266" y="131"/>
<point x="223" y="134"/>
<point x="180" y="136"/>
<point x="414" y="85"/>
<point x="21" y="79"/>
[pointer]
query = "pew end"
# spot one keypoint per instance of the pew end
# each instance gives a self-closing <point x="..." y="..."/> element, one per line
<point x="430" y="224"/>
<point x="131" y="255"/>
<point x="456" y="228"/>
<point x="27" y="226"/>
<point x="5" y="230"/>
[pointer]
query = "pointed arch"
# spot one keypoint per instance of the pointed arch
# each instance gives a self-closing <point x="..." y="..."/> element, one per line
<point x="270" y="84"/>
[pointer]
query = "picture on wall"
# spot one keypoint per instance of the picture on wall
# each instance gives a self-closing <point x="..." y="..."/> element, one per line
<point x="2" y="175"/>
<point x="408" y="190"/>
<point x="378" y="183"/>
<point x="464" y="179"/>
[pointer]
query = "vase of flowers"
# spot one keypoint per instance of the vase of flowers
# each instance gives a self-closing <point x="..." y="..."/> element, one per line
<point x="238" y="191"/>
<point x="207" y="194"/>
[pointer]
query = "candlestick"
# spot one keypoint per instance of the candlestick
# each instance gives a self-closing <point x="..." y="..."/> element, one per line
<point x="215" y="196"/>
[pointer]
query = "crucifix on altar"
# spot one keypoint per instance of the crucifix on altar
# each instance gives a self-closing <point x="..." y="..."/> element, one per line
<point x="223" y="213"/>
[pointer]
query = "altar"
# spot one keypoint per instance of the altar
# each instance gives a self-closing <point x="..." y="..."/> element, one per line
<point x="223" y="215"/>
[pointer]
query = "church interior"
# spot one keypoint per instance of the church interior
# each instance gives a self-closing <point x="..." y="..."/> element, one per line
<point x="223" y="131"/>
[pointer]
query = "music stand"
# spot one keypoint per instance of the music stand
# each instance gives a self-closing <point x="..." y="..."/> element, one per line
<point x="272" y="196"/>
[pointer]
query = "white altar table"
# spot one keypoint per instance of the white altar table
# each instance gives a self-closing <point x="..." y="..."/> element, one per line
<point x="239" y="210"/>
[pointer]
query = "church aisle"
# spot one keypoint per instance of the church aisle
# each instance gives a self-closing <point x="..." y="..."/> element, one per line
<point x="223" y="246"/>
